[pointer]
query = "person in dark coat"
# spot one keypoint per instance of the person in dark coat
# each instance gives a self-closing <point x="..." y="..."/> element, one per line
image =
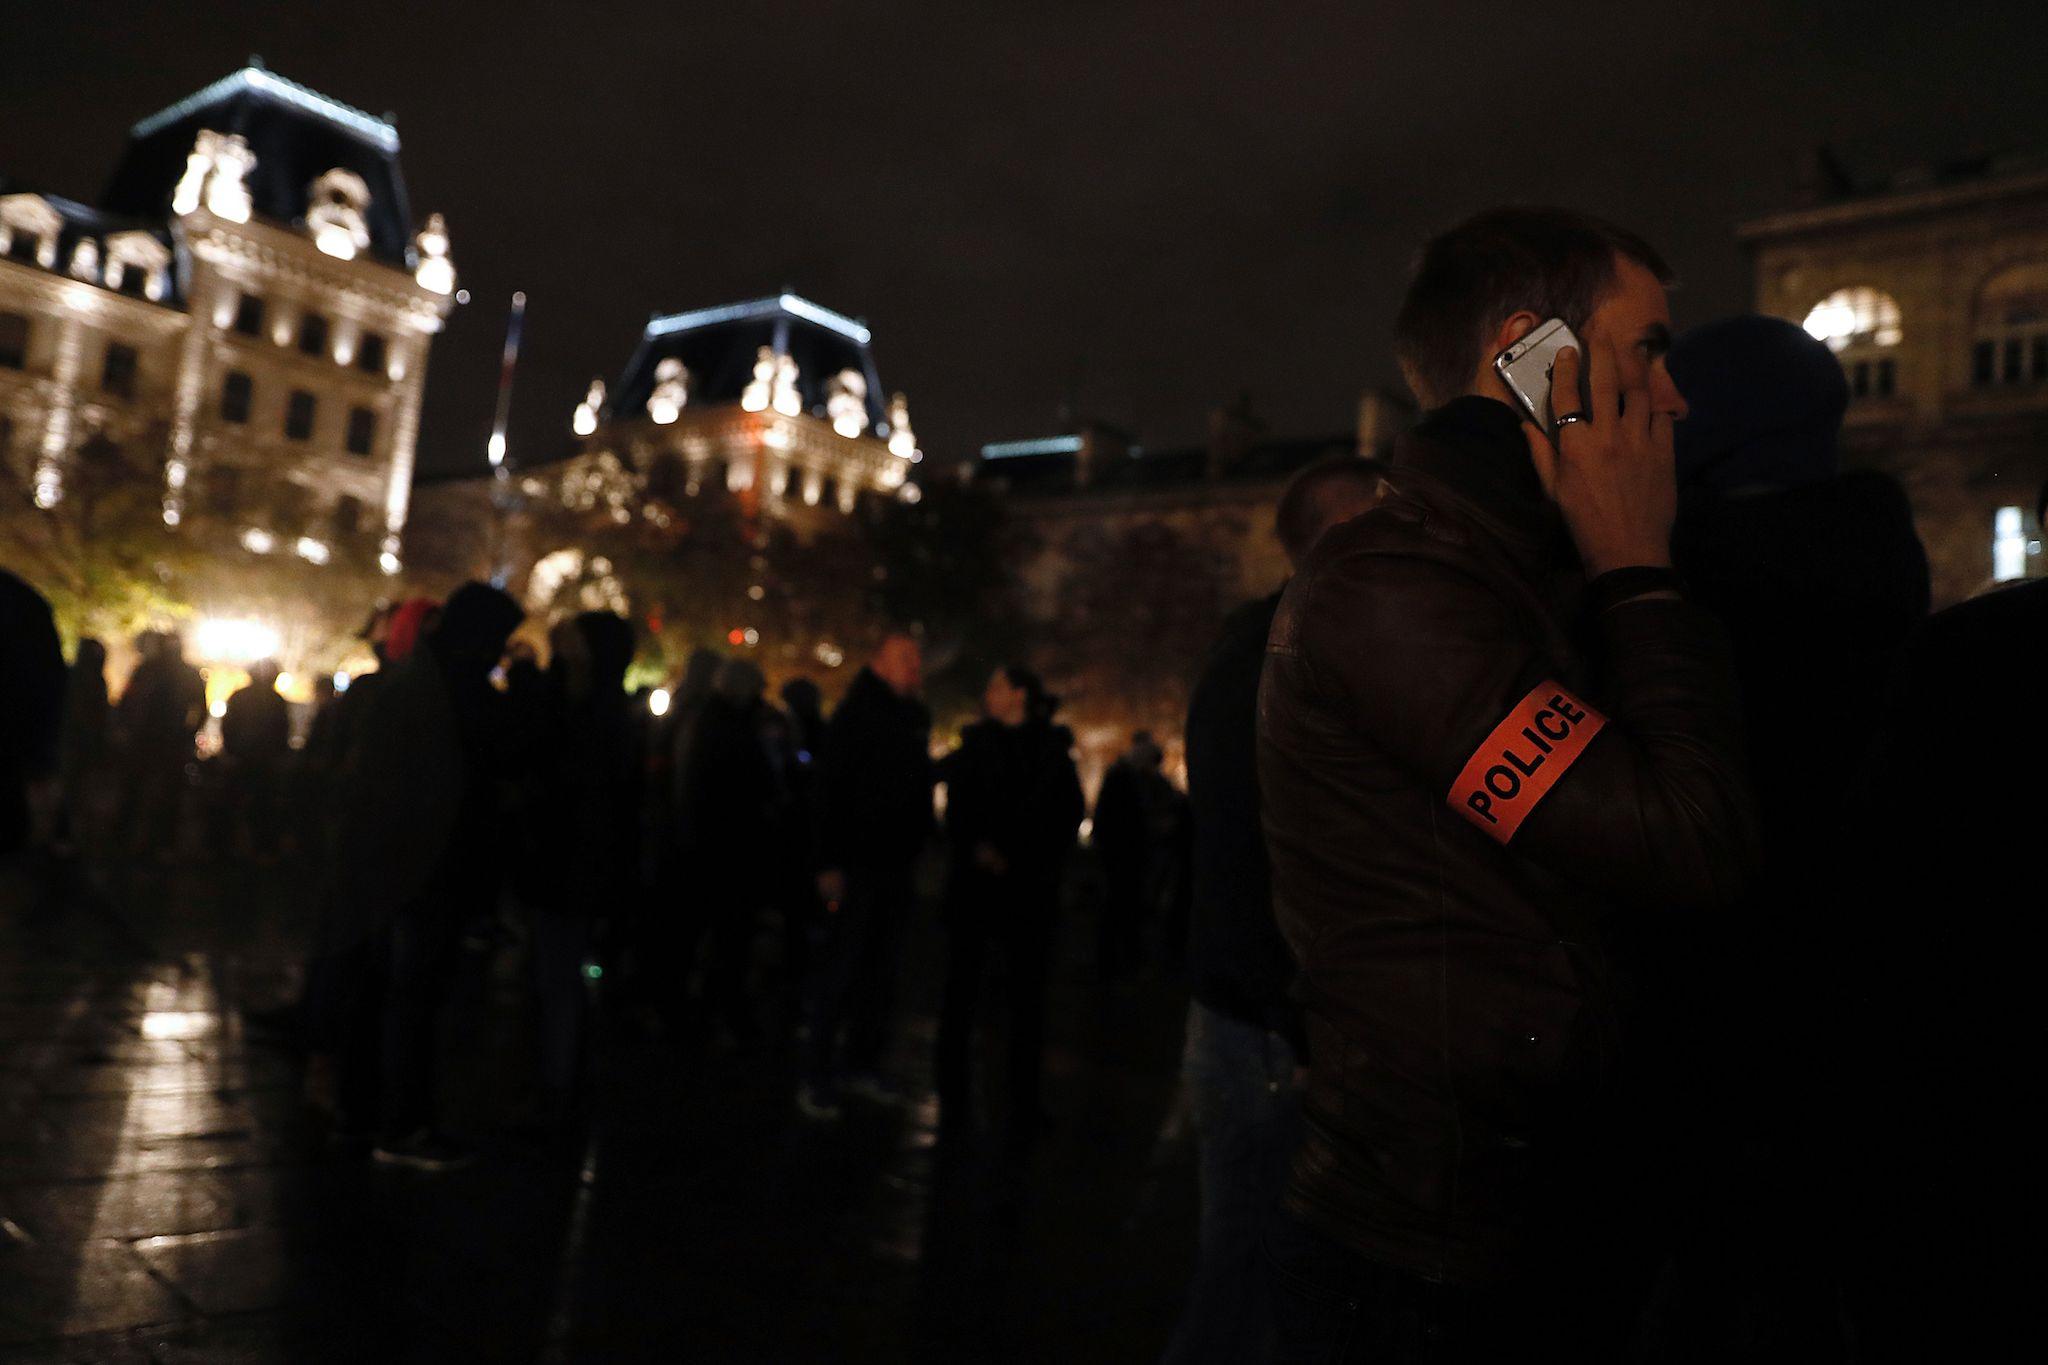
<point x="1940" y="1015"/>
<point x="1013" y="808"/>
<point x="1132" y="810"/>
<point x="255" y="742"/>
<point x="83" y="743"/>
<point x="877" y="817"/>
<point x="575" y="802"/>
<point x="160" y="712"/>
<point x="793" y="736"/>
<point x="31" y="704"/>
<point x="731" y="799"/>
<point x="1819" y="580"/>
<point x="1246" y="1044"/>
<point x="419" y="855"/>
<point x="1492" y="730"/>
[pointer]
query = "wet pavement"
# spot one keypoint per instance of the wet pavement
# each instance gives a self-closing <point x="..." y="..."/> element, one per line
<point x="166" y="1195"/>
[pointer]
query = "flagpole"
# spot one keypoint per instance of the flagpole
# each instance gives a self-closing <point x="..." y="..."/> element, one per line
<point x="501" y="491"/>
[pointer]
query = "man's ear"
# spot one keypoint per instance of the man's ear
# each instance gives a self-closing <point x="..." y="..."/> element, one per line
<point x="1512" y="329"/>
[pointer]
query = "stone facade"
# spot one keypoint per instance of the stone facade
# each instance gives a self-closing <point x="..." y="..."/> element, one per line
<point x="246" y="315"/>
<point x="1934" y="292"/>
<point x="1127" y="559"/>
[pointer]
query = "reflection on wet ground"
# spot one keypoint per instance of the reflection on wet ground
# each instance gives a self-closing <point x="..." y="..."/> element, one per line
<point x="164" y="1195"/>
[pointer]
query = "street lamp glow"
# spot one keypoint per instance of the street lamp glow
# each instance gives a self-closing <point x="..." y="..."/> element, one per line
<point x="234" y="640"/>
<point x="497" y="448"/>
<point x="657" y="702"/>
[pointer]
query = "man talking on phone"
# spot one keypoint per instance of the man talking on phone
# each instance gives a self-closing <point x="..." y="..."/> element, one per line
<point x="1496" y="744"/>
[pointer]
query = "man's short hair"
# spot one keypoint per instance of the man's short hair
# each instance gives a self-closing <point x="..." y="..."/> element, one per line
<point x="1552" y="262"/>
<point x="1327" y="492"/>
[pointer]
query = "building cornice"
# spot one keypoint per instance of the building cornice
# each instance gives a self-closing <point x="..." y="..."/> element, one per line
<point x="282" y="252"/>
<point x="83" y="297"/>
<point x="1884" y="208"/>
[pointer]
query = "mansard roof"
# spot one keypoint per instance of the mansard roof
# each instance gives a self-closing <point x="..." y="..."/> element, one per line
<point x="719" y="347"/>
<point x="81" y="222"/>
<point x="296" y="134"/>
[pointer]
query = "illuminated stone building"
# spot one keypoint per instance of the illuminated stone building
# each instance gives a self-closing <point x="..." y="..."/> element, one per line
<point x="243" y="318"/>
<point x="1128" y="557"/>
<point x="778" y="400"/>
<point x="1933" y="290"/>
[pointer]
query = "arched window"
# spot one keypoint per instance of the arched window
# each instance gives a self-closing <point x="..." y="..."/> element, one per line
<point x="2010" y="345"/>
<point x="1861" y="326"/>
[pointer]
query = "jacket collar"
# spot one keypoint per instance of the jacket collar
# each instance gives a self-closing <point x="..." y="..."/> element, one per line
<point x="1471" y="454"/>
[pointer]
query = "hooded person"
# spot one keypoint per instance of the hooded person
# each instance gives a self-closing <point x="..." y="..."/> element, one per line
<point x="1819" y="580"/>
<point x="417" y="857"/>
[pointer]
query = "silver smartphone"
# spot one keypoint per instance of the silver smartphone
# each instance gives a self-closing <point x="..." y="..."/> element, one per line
<point x="1525" y="368"/>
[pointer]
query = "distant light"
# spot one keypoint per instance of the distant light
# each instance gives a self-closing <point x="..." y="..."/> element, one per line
<point x="177" y="1023"/>
<point x="312" y="551"/>
<point x="233" y="640"/>
<point x="756" y="592"/>
<point x="910" y="493"/>
<point x="1047" y="445"/>
<point x="258" y="541"/>
<point x="751" y="636"/>
<point x="172" y="516"/>
<point x="585" y="421"/>
<point x="2008" y="545"/>
<point x="341" y="680"/>
<point x="735" y="636"/>
<point x="218" y="707"/>
<point x="48" y="493"/>
<point x="462" y="296"/>
<point x="775" y="438"/>
<point x="497" y="448"/>
<point x="284" y="684"/>
<point x="388" y="562"/>
<point x="657" y="701"/>
<point x="593" y="972"/>
<point x="662" y="410"/>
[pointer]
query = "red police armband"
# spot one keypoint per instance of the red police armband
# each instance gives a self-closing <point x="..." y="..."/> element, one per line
<point x="1523" y="758"/>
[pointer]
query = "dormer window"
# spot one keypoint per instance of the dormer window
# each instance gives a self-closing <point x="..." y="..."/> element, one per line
<point x="138" y="264"/>
<point x="28" y="230"/>
<point x="335" y="213"/>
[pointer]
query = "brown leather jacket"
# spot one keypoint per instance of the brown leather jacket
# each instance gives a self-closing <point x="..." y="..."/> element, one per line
<point x="1464" y="996"/>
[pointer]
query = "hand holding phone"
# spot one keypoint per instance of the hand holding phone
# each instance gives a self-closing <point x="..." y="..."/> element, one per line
<point x="1528" y="367"/>
<point x="1612" y="475"/>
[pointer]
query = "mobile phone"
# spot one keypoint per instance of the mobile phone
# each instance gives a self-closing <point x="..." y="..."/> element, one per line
<point x="1525" y="368"/>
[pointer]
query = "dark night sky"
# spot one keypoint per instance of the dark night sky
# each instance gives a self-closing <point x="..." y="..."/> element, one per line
<point x="1147" y="207"/>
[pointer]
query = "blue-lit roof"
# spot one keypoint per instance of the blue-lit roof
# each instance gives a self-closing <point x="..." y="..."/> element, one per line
<point x="719" y="345"/>
<point x="794" y="305"/>
<point x="296" y="134"/>
<point x="1044" y="445"/>
<point x="255" y="79"/>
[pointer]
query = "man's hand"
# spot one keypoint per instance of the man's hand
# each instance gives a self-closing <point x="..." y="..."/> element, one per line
<point x="1614" y="476"/>
<point x="832" y="888"/>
